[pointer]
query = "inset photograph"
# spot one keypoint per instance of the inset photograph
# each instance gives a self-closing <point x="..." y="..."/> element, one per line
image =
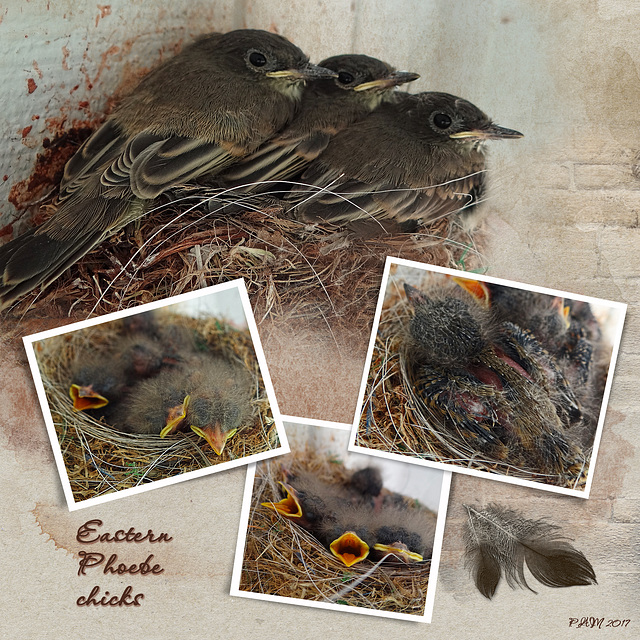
<point x="143" y="398"/>
<point x="485" y="376"/>
<point x="327" y="528"/>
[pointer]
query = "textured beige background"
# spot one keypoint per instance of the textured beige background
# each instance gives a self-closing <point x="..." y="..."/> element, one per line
<point x="564" y="214"/>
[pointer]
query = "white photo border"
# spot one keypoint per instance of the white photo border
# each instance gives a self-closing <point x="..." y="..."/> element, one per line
<point x="616" y="337"/>
<point x="28" y="341"/>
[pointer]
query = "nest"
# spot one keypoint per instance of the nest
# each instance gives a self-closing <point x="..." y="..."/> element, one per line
<point x="291" y="269"/>
<point x="283" y="559"/>
<point x="397" y="420"/>
<point x="100" y="460"/>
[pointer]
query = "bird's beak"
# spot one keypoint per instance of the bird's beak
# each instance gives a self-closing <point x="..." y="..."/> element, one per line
<point x="215" y="436"/>
<point x="392" y="80"/>
<point x="400" y="551"/>
<point x="415" y="296"/>
<point x="492" y="132"/>
<point x="477" y="289"/>
<point x="175" y="416"/>
<point x="288" y="507"/>
<point x="86" y="398"/>
<point x="308" y="72"/>
<point x="563" y="310"/>
<point x="349" y="548"/>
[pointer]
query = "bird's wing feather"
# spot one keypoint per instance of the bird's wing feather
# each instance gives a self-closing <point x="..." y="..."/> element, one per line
<point x="102" y="147"/>
<point x="499" y="541"/>
<point x="276" y="161"/>
<point x="348" y="200"/>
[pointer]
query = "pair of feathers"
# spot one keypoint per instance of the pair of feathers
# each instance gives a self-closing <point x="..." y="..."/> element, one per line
<point x="499" y="541"/>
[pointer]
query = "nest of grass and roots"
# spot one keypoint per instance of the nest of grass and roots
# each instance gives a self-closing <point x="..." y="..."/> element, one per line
<point x="283" y="559"/>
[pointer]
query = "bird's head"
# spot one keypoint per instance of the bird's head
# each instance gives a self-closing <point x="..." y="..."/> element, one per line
<point x="455" y="119"/>
<point x="368" y="78"/>
<point x="215" y="419"/>
<point x="268" y="57"/>
<point x="446" y="329"/>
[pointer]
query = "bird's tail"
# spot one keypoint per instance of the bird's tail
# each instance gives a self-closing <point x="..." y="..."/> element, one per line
<point x="500" y="540"/>
<point x="41" y="255"/>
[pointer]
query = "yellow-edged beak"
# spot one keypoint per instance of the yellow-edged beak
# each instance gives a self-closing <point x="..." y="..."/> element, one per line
<point x="492" y="132"/>
<point x="392" y="80"/>
<point x="215" y="436"/>
<point x="288" y="507"/>
<point x="400" y="551"/>
<point x="86" y="398"/>
<point x="349" y="548"/>
<point x="477" y="289"/>
<point x="308" y="72"/>
<point x="175" y="416"/>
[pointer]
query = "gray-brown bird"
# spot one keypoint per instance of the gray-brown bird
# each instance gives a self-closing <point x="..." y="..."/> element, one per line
<point x="215" y="102"/>
<point x="327" y="107"/>
<point x="207" y="394"/>
<point x="345" y="519"/>
<point x="99" y="377"/>
<point x="414" y="159"/>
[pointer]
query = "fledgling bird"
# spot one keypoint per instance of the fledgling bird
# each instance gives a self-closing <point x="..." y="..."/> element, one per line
<point x="396" y="533"/>
<point x="500" y="540"/>
<point x="100" y="377"/>
<point x="345" y="519"/>
<point x="483" y="382"/>
<point x="327" y="107"/>
<point x="413" y="159"/>
<point x="207" y="394"/>
<point x="560" y="346"/>
<point x="215" y="102"/>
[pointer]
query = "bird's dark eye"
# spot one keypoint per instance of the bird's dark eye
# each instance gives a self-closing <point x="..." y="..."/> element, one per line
<point x="345" y="78"/>
<point x="442" y="120"/>
<point x="257" y="59"/>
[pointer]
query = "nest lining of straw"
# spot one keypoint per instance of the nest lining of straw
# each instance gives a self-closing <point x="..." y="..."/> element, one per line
<point x="291" y="269"/>
<point x="396" y="419"/>
<point x="283" y="559"/>
<point x="99" y="459"/>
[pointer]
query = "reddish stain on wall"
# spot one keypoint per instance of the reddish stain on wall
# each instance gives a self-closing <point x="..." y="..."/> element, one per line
<point x="31" y="85"/>
<point x="65" y="58"/>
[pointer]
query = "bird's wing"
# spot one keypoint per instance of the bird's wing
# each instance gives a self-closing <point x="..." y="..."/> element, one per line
<point x="148" y="163"/>
<point x="153" y="164"/>
<point x="277" y="161"/>
<point x="345" y="200"/>
<point x="102" y="147"/>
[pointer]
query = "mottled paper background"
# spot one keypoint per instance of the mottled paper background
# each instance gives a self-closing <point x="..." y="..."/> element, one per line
<point x="563" y="214"/>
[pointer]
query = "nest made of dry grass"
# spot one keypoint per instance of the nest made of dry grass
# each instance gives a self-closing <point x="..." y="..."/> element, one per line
<point x="100" y="460"/>
<point x="291" y="269"/>
<point x="283" y="559"/>
<point x="395" y="419"/>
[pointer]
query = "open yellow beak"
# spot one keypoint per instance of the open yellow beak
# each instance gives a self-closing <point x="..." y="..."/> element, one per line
<point x="349" y="548"/>
<point x="174" y="417"/>
<point x="288" y="507"/>
<point x="477" y="289"/>
<point x="86" y="398"/>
